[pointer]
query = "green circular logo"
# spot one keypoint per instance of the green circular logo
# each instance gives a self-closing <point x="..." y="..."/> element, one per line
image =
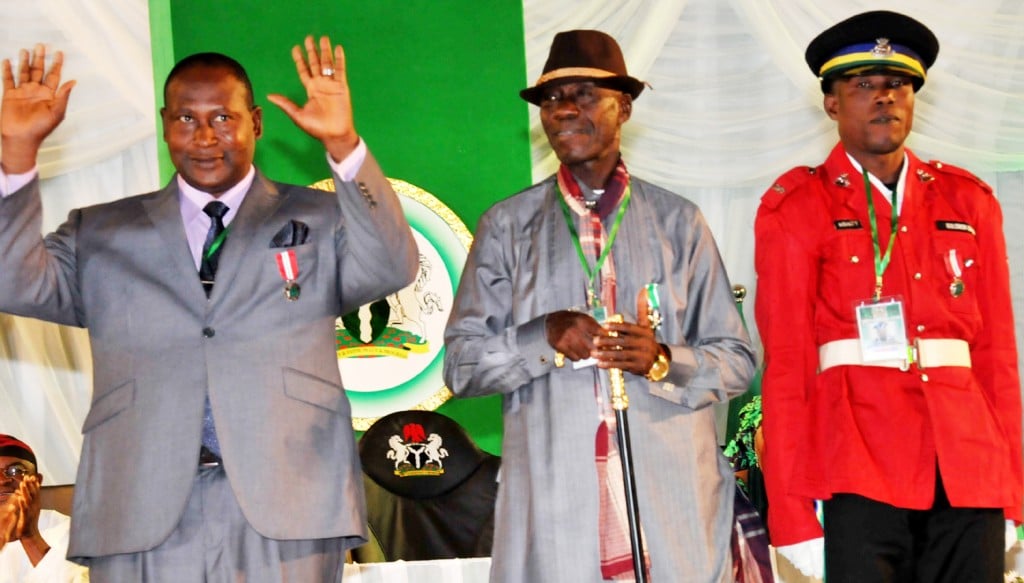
<point x="391" y="352"/>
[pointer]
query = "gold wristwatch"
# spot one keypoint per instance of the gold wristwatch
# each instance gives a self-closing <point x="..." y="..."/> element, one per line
<point x="659" y="369"/>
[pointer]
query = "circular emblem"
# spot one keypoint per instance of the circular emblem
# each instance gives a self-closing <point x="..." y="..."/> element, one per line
<point x="391" y="352"/>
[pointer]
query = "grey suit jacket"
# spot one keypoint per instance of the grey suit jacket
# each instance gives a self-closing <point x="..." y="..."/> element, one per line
<point x="124" y="271"/>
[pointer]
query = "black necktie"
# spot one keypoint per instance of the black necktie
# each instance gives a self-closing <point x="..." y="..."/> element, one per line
<point x="207" y="270"/>
<point x="214" y="243"/>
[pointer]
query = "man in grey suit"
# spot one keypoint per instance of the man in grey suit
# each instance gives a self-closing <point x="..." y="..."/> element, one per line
<point x="538" y="277"/>
<point x="236" y="361"/>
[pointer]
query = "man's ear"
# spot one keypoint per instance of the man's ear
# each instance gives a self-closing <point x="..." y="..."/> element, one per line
<point x="625" y="107"/>
<point x="831" y="105"/>
<point x="257" y="121"/>
<point x="163" y="121"/>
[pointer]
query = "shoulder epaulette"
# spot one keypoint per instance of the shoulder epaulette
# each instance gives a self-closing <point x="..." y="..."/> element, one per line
<point x="943" y="168"/>
<point x="788" y="182"/>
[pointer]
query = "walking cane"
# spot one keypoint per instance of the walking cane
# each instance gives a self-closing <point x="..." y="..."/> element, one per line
<point x="620" y="404"/>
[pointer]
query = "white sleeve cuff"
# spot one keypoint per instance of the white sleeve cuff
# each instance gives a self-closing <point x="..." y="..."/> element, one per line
<point x="349" y="167"/>
<point x="807" y="556"/>
<point x="10" y="183"/>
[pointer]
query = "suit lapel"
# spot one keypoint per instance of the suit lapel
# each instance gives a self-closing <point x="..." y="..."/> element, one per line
<point x="164" y="211"/>
<point x="259" y="204"/>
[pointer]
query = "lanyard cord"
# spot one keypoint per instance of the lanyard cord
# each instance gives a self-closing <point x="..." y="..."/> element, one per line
<point x="881" y="261"/>
<point x="612" y="234"/>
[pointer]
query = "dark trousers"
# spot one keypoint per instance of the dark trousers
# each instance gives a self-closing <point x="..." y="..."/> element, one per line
<point x="871" y="542"/>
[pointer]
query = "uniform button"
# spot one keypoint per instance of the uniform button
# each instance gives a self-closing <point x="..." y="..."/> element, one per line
<point x="903" y="229"/>
<point x="855" y="259"/>
<point x="924" y="378"/>
<point x="208" y="332"/>
<point x="917" y="276"/>
<point x="920" y="327"/>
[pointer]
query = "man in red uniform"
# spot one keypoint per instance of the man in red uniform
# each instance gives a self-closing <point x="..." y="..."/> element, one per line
<point x="891" y="388"/>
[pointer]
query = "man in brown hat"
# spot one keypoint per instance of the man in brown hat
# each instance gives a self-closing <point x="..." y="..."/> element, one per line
<point x="547" y="264"/>
<point x="33" y="541"/>
<point x="913" y="441"/>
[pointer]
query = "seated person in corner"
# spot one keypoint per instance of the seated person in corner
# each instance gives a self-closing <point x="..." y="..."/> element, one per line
<point x="33" y="541"/>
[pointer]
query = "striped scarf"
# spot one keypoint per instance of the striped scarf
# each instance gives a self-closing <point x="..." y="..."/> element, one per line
<point x="593" y="236"/>
<point x="613" y="522"/>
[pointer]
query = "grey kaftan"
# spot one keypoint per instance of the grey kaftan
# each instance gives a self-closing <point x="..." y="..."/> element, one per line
<point x="523" y="266"/>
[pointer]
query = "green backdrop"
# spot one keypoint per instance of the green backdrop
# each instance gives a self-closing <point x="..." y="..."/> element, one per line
<point x="435" y="93"/>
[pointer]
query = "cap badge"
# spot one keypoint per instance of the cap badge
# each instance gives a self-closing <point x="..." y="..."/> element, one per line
<point x="415" y="442"/>
<point x="882" y="49"/>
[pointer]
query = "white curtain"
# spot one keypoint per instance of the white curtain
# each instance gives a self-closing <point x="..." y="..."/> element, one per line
<point x="105" y="147"/>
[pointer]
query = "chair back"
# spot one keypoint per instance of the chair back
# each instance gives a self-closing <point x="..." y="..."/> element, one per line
<point x="430" y="490"/>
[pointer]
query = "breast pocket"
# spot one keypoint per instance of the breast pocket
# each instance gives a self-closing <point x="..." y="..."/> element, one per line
<point x="848" y="269"/>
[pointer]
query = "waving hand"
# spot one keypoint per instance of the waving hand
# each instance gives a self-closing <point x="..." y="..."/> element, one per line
<point x="327" y="114"/>
<point x="33" y="105"/>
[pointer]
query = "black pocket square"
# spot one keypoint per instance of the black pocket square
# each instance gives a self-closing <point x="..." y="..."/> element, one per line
<point x="292" y="234"/>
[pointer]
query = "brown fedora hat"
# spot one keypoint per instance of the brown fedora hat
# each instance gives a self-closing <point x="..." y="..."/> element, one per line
<point x="584" y="55"/>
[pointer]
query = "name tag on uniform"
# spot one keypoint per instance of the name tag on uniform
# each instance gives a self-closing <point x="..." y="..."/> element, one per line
<point x="845" y="224"/>
<point x="955" y="226"/>
<point x="882" y="328"/>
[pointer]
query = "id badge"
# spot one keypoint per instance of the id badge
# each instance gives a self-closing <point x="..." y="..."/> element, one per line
<point x="883" y="331"/>
<point x="600" y="314"/>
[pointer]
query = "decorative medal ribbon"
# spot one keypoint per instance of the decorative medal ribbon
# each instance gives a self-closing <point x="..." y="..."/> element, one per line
<point x="956" y="286"/>
<point x="288" y="267"/>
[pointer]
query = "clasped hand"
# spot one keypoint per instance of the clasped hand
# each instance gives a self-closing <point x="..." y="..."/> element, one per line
<point x="623" y="345"/>
<point x="20" y="512"/>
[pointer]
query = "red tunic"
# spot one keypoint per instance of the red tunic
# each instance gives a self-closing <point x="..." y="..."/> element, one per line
<point x="873" y="431"/>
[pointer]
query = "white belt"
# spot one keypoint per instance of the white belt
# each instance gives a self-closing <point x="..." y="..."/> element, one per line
<point x="926" y="353"/>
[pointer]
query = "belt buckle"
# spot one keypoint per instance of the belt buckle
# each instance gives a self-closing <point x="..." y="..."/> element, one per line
<point x="913" y="357"/>
<point x="208" y="459"/>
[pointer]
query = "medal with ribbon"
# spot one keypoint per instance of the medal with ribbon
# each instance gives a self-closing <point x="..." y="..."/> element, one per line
<point x="956" y="286"/>
<point x="288" y="267"/>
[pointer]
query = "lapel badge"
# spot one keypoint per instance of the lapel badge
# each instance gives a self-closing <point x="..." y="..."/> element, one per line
<point x="924" y="176"/>
<point x="843" y="180"/>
